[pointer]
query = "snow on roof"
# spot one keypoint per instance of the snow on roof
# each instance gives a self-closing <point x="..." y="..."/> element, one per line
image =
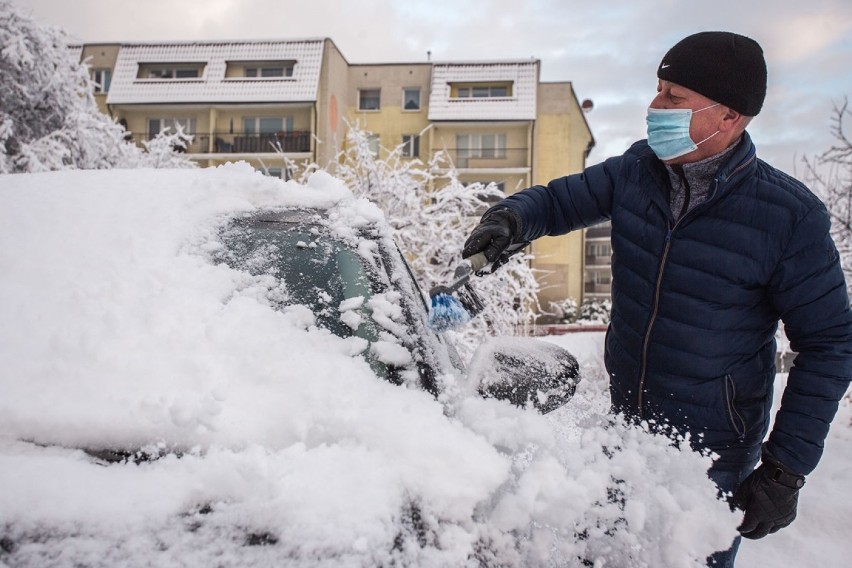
<point x="212" y="86"/>
<point x="75" y="51"/>
<point x="521" y="105"/>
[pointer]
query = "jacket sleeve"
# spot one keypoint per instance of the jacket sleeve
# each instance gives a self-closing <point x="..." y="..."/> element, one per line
<point x="567" y="203"/>
<point x="809" y="290"/>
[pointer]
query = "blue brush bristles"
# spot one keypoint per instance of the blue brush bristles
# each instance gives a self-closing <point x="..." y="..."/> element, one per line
<point x="447" y="313"/>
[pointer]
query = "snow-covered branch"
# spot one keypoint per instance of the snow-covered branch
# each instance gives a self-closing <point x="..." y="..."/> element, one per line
<point x="432" y="213"/>
<point x="830" y="175"/>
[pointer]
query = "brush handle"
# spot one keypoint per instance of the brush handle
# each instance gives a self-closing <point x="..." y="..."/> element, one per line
<point x="477" y="261"/>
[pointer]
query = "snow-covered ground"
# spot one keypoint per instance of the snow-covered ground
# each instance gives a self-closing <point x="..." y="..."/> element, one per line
<point x="279" y="445"/>
<point x="820" y="534"/>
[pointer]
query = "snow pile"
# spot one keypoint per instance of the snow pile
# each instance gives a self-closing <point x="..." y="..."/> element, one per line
<point x="274" y="441"/>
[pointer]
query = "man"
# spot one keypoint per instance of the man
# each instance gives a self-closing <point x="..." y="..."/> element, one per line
<point x="711" y="248"/>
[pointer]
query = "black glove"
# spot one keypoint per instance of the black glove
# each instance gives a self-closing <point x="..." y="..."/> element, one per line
<point x="769" y="496"/>
<point x="496" y="231"/>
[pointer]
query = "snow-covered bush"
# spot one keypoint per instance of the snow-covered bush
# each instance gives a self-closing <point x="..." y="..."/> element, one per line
<point x="595" y="310"/>
<point x="432" y="213"/>
<point x="564" y="311"/>
<point x="48" y="116"/>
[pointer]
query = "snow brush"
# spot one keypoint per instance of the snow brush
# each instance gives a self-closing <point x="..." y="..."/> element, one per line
<point x="451" y="311"/>
<point x="455" y="305"/>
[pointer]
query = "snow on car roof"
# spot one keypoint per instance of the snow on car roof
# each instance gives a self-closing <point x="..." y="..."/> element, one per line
<point x="276" y="442"/>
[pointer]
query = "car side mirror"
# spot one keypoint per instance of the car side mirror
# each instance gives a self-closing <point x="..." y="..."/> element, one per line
<point x="524" y="371"/>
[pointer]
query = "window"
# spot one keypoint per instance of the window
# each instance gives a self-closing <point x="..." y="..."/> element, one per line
<point x="410" y="146"/>
<point x="481" y="146"/>
<point x="157" y="125"/>
<point x="373" y="143"/>
<point x="599" y="249"/>
<point x="369" y="99"/>
<point x="101" y="78"/>
<point x="173" y="73"/>
<point x="483" y="91"/>
<point x="269" y="134"/>
<point x="167" y="71"/>
<point x="600" y="277"/>
<point x="267" y="124"/>
<point x="411" y="99"/>
<point x="269" y="71"/>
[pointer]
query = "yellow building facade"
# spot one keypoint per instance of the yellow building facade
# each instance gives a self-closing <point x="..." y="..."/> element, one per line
<point x="274" y="103"/>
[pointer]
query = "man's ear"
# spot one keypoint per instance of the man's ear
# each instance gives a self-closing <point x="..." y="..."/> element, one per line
<point x="732" y="120"/>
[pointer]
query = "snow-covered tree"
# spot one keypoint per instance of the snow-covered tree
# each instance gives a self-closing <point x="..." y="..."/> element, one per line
<point x="432" y="213"/>
<point x="830" y="175"/>
<point x="48" y="116"/>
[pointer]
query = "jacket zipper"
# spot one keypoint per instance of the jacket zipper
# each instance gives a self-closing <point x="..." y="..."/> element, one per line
<point x="647" y="340"/>
<point x="741" y="166"/>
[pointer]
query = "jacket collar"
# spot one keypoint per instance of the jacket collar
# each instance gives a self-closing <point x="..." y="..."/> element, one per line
<point x="741" y="162"/>
<point x="738" y="166"/>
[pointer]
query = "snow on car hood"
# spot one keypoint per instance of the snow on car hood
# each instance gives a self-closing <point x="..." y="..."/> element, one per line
<point x="276" y="442"/>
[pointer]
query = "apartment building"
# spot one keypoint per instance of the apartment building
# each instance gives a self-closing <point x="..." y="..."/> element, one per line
<point x="264" y="101"/>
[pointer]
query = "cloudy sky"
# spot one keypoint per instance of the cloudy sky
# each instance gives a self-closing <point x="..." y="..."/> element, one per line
<point x="608" y="50"/>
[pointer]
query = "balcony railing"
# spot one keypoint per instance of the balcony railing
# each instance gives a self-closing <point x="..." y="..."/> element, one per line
<point x="599" y="231"/>
<point x="290" y="141"/>
<point x="489" y="158"/>
<point x="592" y="288"/>
<point x="595" y="260"/>
<point x="287" y="142"/>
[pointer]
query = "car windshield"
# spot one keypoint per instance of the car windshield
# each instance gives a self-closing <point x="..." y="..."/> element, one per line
<point x="335" y="280"/>
<point x="315" y="270"/>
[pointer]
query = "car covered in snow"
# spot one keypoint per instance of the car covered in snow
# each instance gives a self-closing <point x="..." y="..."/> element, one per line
<point x="216" y="368"/>
<point x="358" y="286"/>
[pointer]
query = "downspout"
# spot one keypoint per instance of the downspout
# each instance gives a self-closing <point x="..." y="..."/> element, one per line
<point x="314" y="133"/>
<point x="211" y="142"/>
<point x="530" y="152"/>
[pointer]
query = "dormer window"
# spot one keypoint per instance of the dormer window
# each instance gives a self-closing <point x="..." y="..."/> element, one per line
<point x="269" y="72"/>
<point x="259" y="69"/>
<point x="170" y="71"/>
<point x="481" y="90"/>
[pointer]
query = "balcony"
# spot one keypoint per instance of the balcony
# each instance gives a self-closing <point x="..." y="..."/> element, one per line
<point x="595" y="260"/>
<point x="602" y="231"/>
<point x="489" y="158"/>
<point x="597" y="289"/>
<point x="287" y="142"/>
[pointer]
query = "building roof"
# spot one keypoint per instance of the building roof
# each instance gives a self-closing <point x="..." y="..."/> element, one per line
<point x="213" y="86"/>
<point x="521" y="105"/>
<point x="75" y="51"/>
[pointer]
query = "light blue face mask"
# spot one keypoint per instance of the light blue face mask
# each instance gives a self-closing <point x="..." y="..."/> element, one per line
<point x="668" y="132"/>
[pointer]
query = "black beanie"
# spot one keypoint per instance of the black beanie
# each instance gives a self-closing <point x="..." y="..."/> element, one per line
<point x="723" y="66"/>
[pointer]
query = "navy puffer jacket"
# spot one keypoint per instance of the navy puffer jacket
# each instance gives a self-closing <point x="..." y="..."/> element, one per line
<point x="696" y="303"/>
